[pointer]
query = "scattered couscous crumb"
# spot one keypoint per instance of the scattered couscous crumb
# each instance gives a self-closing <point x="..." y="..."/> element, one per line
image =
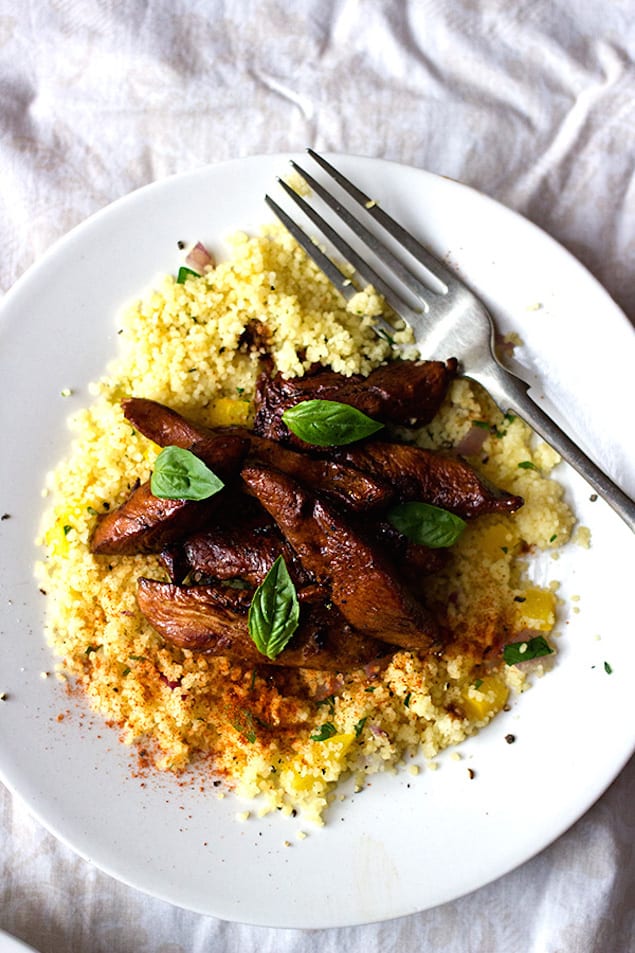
<point x="183" y="345"/>
<point x="242" y="816"/>
<point x="583" y="537"/>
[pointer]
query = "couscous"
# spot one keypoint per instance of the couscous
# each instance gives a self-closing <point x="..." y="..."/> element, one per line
<point x="191" y="345"/>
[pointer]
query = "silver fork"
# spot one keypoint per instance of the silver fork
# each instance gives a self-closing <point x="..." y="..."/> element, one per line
<point x="457" y="323"/>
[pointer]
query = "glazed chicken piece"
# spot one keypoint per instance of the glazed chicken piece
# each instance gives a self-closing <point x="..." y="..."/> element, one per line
<point x="351" y="487"/>
<point x="402" y="392"/>
<point x="163" y="425"/>
<point x="213" y="620"/>
<point x="243" y="548"/>
<point x="361" y="580"/>
<point x="413" y="561"/>
<point x="246" y="547"/>
<point x="430" y="477"/>
<point x="145" y="523"/>
<point x="364" y="477"/>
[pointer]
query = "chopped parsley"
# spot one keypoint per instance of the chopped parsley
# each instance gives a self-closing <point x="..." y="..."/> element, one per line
<point x="330" y="702"/>
<point x="360" y="726"/>
<point x="517" y="652"/>
<point x="326" y="731"/>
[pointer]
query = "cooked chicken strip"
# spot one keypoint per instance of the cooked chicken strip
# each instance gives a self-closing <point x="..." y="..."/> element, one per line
<point x="362" y="582"/>
<point x="213" y="620"/>
<point x="429" y="476"/>
<point x="163" y="425"/>
<point x="355" y="489"/>
<point x="243" y="548"/>
<point x="146" y="524"/>
<point x="401" y="392"/>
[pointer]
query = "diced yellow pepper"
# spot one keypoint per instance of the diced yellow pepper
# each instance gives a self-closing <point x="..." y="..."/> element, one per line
<point x="329" y="754"/>
<point x="538" y="610"/>
<point x="484" y="701"/>
<point x="337" y="745"/>
<point x="497" y="540"/>
<point x="57" y="535"/>
<point x="56" y="539"/>
<point x="228" y="412"/>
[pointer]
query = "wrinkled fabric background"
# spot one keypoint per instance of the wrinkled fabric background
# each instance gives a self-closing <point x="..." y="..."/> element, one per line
<point x="533" y="103"/>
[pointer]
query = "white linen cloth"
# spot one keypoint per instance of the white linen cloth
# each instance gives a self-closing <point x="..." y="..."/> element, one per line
<point x="533" y="103"/>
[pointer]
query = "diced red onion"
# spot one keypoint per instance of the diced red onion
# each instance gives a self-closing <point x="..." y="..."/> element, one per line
<point x="378" y="732"/>
<point x="199" y="258"/>
<point x="472" y="442"/>
<point x="166" y="681"/>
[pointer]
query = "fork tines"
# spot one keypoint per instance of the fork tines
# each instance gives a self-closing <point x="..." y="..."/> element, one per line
<point x="367" y="238"/>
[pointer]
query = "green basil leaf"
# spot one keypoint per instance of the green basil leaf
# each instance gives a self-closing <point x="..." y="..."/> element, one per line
<point x="329" y="423"/>
<point x="426" y="524"/>
<point x="179" y="475"/>
<point x="184" y="274"/>
<point x="326" y="731"/>
<point x="517" y="652"/>
<point x="274" y="612"/>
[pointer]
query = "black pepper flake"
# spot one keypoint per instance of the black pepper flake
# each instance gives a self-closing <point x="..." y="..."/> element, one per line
<point x="180" y="245"/>
<point x="5" y="516"/>
<point x="520" y="599"/>
<point x="510" y="739"/>
<point x="593" y="497"/>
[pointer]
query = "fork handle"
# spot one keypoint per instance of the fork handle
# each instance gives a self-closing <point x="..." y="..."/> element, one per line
<point x="511" y="393"/>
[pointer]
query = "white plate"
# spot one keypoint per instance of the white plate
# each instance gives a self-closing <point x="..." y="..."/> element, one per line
<point x="406" y="843"/>
<point x="9" y="944"/>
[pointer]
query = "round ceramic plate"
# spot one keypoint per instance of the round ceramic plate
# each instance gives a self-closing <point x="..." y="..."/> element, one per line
<point x="9" y="944"/>
<point x="405" y="843"/>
